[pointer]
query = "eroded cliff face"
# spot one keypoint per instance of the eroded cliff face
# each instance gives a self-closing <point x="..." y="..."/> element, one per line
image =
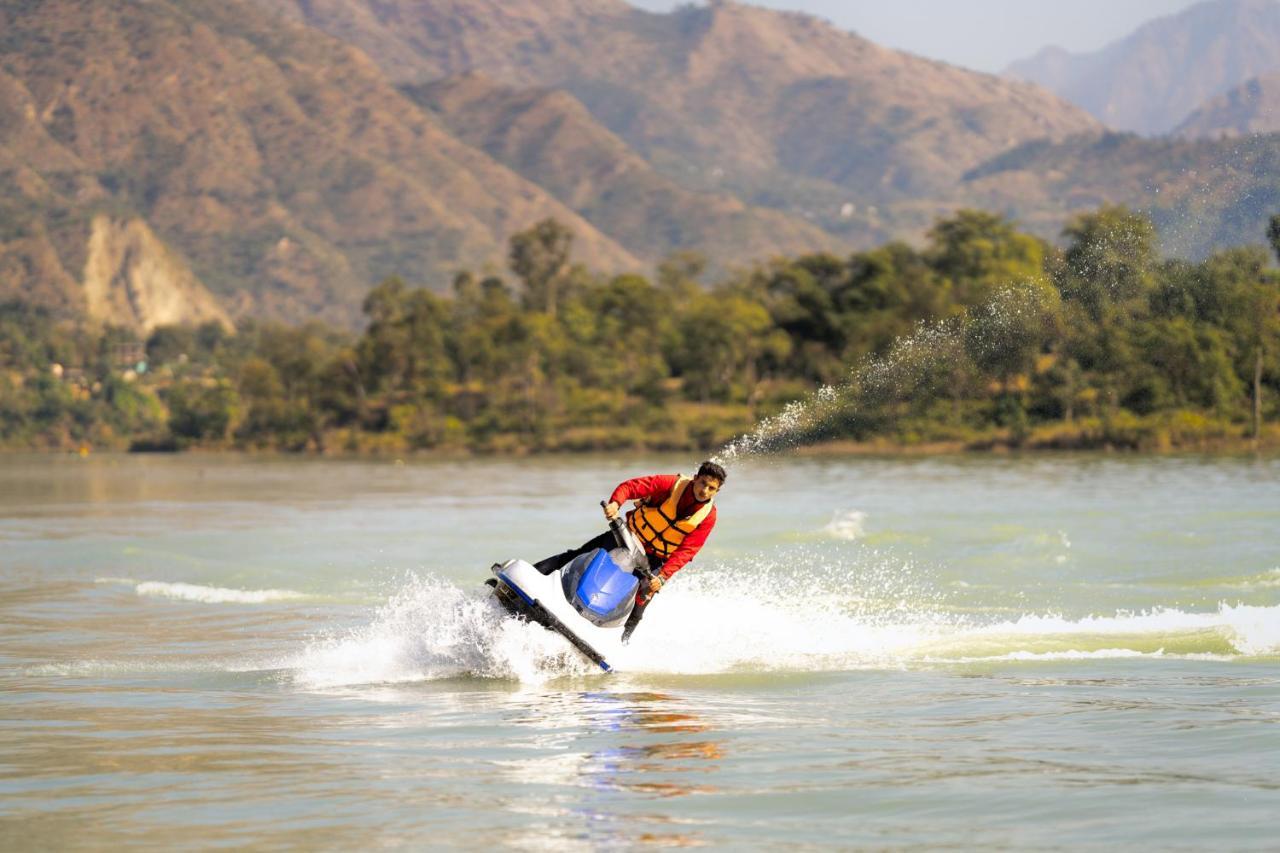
<point x="132" y="279"/>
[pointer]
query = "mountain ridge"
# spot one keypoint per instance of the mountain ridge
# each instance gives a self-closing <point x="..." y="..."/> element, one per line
<point x="290" y="169"/>
<point x="548" y="136"/>
<point x="1152" y="79"/>
<point x="268" y="155"/>
<point x="704" y="93"/>
<point x="1202" y="194"/>
<point x="1253" y="107"/>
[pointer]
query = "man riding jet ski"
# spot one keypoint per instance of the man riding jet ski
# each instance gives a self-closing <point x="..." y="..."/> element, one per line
<point x="596" y="594"/>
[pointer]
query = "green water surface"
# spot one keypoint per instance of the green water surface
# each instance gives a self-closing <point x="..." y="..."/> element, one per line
<point x="1032" y="653"/>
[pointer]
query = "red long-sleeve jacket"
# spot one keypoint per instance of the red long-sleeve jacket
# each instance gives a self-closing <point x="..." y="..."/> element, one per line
<point x="655" y="490"/>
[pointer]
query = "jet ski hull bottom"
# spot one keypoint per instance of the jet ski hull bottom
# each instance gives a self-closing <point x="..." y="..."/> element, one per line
<point x="526" y="593"/>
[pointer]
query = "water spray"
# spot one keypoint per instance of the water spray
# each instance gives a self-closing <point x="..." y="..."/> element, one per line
<point x="1017" y="316"/>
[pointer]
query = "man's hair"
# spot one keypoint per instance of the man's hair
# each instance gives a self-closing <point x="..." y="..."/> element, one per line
<point x="711" y="469"/>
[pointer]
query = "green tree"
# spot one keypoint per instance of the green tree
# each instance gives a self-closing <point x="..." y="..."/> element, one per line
<point x="300" y="358"/>
<point x="168" y="344"/>
<point x="891" y="290"/>
<point x="680" y="273"/>
<point x="1005" y="335"/>
<point x="539" y="256"/>
<point x="133" y="409"/>
<point x="481" y="311"/>
<point x="980" y="253"/>
<point x="1184" y="364"/>
<point x="404" y="348"/>
<point x="210" y="337"/>
<point x="836" y="312"/>
<point x="1111" y="259"/>
<point x="384" y="348"/>
<point x="200" y="411"/>
<point x="1246" y="302"/>
<point x="616" y="328"/>
<point x="28" y="339"/>
<point x="802" y="296"/>
<point x="266" y="408"/>
<point x="721" y="339"/>
<point x="428" y="367"/>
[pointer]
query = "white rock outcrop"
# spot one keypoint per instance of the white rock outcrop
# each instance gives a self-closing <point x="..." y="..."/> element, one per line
<point x="132" y="279"/>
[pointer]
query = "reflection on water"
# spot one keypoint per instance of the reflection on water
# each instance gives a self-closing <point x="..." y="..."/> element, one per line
<point x="663" y="747"/>
<point x="582" y="755"/>
<point x="610" y="748"/>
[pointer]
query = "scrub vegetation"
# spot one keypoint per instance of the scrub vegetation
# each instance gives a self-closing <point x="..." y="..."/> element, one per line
<point x="1096" y="344"/>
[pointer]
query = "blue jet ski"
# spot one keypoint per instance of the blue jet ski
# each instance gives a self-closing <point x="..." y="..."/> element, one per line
<point x="587" y="601"/>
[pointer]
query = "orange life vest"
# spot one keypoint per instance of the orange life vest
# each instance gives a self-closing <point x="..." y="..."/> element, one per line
<point x="659" y="528"/>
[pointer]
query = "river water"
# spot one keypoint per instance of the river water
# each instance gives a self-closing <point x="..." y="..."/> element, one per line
<point x="1042" y="652"/>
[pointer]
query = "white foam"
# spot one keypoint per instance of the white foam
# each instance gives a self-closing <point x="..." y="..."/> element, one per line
<point x="1079" y="655"/>
<point x="749" y="631"/>
<point x="215" y="594"/>
<point x="1267" y="580"/>
<point x="846" y="525"/>
<point x="771" y="618"/>
<point x="1071" y="654"/>
<point x="429" y="630"/>
<point x="1251" y="630"/>
<point x="1243" y="629"/>
<point x="708" y="623"/>
<point x="96" y="668"/>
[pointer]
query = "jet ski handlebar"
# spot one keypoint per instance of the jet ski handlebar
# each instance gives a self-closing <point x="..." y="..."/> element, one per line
<point x="619" y="528"/>
<point x="625" y="540"/>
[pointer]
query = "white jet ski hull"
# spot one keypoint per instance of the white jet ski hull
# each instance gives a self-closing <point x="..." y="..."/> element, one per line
<point x="527" y="592"/>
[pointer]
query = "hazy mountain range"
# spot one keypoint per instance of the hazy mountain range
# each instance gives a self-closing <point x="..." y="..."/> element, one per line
<point x="1152" y="80"/>
<point x="278" y="157"/>
<point x="1251" y="108"/>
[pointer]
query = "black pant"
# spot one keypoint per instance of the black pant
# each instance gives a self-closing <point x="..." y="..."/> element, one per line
<point x="550" y="564"/>
<point x="606" y="541"/>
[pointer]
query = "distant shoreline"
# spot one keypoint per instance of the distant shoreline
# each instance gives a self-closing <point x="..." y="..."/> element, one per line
<point x="957" y="448"/>
<point x="995" y="445"/>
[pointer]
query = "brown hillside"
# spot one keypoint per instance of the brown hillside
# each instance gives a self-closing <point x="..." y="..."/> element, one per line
<point x="782" y="109"/>
<point x="280" y="162"/>
<point x="550" y="138"/>
<point x="418" y="41"/>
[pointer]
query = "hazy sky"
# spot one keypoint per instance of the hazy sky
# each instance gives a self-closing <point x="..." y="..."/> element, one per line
<point x="982" y="34"/>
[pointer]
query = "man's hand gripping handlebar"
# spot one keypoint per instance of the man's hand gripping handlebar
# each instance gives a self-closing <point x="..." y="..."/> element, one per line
<point x="618" y="526"/>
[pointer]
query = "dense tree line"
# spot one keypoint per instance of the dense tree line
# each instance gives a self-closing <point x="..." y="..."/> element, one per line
<point x="996" y="337"/>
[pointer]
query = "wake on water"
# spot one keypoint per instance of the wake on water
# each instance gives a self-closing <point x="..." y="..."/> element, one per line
<point x="770" y="619"/>
<point x="768" y="615"/>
